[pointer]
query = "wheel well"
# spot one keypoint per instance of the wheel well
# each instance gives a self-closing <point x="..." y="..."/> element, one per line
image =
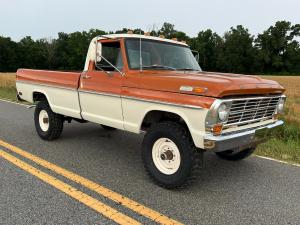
<point x="157" y="116"/>
<point x="38" y="96"/>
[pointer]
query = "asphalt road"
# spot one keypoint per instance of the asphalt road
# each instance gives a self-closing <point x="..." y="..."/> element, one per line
<point x="253" y="191"/>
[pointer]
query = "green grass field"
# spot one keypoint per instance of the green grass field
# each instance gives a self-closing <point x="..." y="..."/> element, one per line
<point x="284" y="146"/>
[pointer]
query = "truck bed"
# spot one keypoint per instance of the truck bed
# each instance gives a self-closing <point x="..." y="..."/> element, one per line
<point x="55" y="78"/>
<point x="59" y="88"/>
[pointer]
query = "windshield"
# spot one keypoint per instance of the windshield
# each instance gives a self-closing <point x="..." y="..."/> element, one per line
<point x="160" y="55"/>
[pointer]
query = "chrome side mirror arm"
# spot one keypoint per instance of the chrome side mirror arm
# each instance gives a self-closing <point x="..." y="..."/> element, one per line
<point x="107" y="72"/>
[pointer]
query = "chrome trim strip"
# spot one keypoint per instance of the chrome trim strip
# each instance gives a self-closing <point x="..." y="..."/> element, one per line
<point x="99" y="93"/>
<point x="252" y="98"/>
<point x="46" y="85"/>
<point x="162" y="102"/>
<point x="114" y="95"/>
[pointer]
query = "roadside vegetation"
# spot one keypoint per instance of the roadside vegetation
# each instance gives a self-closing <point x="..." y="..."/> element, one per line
<point x="284" y="146"/>
<point x="286" y="143"/>
<point x="8" y="86"/>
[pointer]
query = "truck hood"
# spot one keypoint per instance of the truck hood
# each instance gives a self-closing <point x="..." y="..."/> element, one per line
<point x="215" y="84"/>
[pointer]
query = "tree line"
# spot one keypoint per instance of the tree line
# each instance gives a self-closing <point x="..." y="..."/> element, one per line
<point x="274" y="51"/>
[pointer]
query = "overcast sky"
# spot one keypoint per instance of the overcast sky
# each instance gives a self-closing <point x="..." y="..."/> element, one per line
<point x="45" y="18"/>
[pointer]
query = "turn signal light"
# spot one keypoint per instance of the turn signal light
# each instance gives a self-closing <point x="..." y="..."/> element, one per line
<point x="200" y="89"/>
<point x="217" y="129"/>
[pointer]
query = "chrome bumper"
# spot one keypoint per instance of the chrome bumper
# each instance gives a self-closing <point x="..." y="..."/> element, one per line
<point x="241" y="140"/>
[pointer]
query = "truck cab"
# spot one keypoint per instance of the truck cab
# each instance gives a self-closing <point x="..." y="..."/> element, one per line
<point x="155" y="86"/>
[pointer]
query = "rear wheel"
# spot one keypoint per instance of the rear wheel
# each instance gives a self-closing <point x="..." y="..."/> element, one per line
<point x="49" y="125"/>
<point x="235" y="156"/>
<point x="169" y="155"/>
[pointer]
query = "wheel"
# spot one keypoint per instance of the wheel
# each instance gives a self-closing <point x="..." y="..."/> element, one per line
<point x="230" y="155"/>
<point x="107" y="127"/>
<point x="170" y="156"/>
<point x="48" y="124"/>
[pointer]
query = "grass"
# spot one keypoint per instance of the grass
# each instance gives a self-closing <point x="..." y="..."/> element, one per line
<point x="284" y="146"/>
<point x="8" y="86"/>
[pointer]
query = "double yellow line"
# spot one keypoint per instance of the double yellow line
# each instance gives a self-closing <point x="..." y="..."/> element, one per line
<point x="93" y="203"/>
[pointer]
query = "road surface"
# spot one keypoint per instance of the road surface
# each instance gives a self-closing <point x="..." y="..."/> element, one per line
<point x="253" y="191"/>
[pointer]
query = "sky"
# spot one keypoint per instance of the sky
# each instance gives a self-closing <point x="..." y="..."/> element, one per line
<point x="45" y="18"/>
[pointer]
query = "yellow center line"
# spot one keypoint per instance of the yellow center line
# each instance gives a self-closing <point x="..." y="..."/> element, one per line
<point x="114" y="196"/>
<point x="95" y="204"/>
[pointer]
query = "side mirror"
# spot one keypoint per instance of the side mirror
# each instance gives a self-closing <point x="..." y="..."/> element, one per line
<point x="98" y="52"/>
<point x="196" y="55"/>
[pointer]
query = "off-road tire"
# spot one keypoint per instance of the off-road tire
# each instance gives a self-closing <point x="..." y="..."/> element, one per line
<point x="227" y="155"/>
<point x="56" y="122"/>
<point x="108" y="128"/>
<point x="191" y="157"/>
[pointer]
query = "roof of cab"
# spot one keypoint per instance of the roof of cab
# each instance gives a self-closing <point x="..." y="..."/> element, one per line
<point x="141" y="36"/>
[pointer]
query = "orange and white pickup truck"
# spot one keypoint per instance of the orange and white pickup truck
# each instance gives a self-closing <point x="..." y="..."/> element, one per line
<point x="153" y="85"/>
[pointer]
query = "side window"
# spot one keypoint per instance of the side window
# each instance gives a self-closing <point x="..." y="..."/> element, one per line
<point x="111" y="51"/>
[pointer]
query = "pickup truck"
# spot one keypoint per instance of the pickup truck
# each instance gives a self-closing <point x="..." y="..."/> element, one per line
<point x="155" y="86"/>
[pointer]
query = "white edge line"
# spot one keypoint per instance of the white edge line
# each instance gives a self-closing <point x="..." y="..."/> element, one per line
<point x="276" y="160"/>
<point x="16" y="103"/>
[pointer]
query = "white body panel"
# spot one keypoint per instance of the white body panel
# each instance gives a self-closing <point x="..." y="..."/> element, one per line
<point x="102" y="109"/>
<point x="61" y="100"/>
<point x="134" y="112"/>
<point x="115" y="111"/>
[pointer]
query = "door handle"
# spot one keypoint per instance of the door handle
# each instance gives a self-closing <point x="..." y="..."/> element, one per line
<point x="85" y="76"/>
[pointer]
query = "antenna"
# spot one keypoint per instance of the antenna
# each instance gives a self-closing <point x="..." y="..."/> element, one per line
<point x="141" y="60"/>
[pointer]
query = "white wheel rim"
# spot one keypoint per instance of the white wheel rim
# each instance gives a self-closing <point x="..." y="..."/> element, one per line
<point x="44" y="120"/>
<point x="166" y="156"/>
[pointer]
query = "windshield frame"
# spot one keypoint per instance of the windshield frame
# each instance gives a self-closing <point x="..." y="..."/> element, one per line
<point x="155" y="41"/>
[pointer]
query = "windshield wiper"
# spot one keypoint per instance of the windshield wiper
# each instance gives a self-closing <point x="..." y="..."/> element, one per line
<point x="158" y="66"/>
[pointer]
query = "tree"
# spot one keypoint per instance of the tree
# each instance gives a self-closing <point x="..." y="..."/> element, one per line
<point x="237" y="53"/>
<point x="167" y="30"/>
<point x="208" y="44"/>
<point x="8" y="55"/>
<point x="278" y="49"/>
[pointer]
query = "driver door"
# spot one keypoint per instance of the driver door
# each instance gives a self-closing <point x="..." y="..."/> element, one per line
<point x="99" y="91"/>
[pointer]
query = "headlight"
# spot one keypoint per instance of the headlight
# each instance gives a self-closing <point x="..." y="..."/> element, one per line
<point x="223" y="112"/>
<point x="280" y="106"/>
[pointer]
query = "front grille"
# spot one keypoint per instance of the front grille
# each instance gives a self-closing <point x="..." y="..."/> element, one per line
<point x="251" y="110"/>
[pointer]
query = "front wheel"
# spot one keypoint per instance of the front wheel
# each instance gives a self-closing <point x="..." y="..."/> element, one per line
<point x="170" y="156"/>
<point x="232" y="156"/>
<point x="49" y="125"/>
